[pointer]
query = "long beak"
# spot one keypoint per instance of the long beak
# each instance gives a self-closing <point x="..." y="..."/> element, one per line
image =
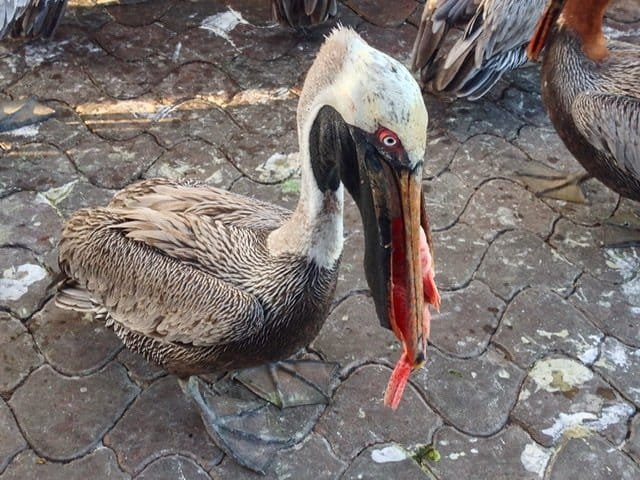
<point x="397" y="240"/>
<point x="543" y="29"/>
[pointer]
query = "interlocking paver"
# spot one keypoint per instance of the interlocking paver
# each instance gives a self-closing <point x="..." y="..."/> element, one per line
<point x="592" y="458"/>
<point x="23" y="280"/>
<point x="357" y="417"/>
<point x="101" y="463"/>
<point x="385" y="461"/>
<point x="509" y="454"/>
<point x="18" y="355"/>
<point x="141" y="89"/>
<point x="519" y="259"/>
<point x="12" y="440"/>
<point x="538" y="322"/>
<point x="74" y="343"/>
<point x="160" y="422"/>
<point x="173" y="467"/>
<point x="563" y="397"/>
<point x="65" y="417"/>
<point x="467" y="320"/>
<point x="619" y="364"/>
<point x="487" y="386"/>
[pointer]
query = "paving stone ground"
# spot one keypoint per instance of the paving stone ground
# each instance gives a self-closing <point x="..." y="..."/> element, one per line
<point x="535" y="357"/>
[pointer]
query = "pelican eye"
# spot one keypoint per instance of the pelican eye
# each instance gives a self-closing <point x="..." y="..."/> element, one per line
<point x="387" y="138"/>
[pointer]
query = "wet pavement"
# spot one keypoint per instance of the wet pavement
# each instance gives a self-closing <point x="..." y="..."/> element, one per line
<point x="533" y="368"/>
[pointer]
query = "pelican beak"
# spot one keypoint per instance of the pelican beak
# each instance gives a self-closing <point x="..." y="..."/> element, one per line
<point x="544" y="27"/>
<point x="397" y="259"/>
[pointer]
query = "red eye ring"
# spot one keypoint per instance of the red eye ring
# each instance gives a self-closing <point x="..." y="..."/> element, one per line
<point x="387" y="138"/>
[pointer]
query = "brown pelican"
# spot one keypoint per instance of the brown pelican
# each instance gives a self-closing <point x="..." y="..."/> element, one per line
<point x="30" y="18"/>
<point x="201" y="280"/>
<point x="591" y="89"/>
<point x="303" y="13"/>
<point x="494" y="40"/>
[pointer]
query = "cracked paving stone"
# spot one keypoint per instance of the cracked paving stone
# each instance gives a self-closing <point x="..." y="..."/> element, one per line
<point x="74" y="343"/>
<point x="619" y="364"/>
<point x="65" y="129"/>
<point x="35" y="166"/>
<point x="279" y="107"/>
<point x="313" y="454"/>
<point x="117" y="120"/>
<point x="18" y="355"/>
<point x="586" y="248"/>
<point x="459" y="251"/>
<point x="249" y="153"/>
<point x="183" y="16"/>
<point x="171" y="468"/>
<point x="357" y="415"/>
<point x="23" y="281"/>
<point x="200" y="45"/>
<point x="193" y="119"/>
<point x="99" y="464"/>
<point x="284" y="194"/>
<point x="252" y="74"/>
<point x="396" y="42"/>
<point x="519" y="259"/>
<point x="141" y="435"/>
<point x="78" y="194"/>
<point x="481" y="157"/>
<point x="196" y="79"/>
<point x="11" y="68"/>
<point x="383" y="14"/>
<point x="114" y="165"/>
<point x="382" y="462"/>
<point x="592" y="458"/>
<point x="194" y="160"/>
<point x="140" y="370"/>
<point x="561" y="397"/>
<point x="355" y="318"/>
<point x="141" y="14"/>
<point x="610" y="308"/>
<point x="263" y="44"/>
<point x="466" y="321"/>
<point x="500" y="205"/>
<point x="124" y="80"/>
<point x="30" y="221"/>
<point x="12" y="440"/>
<point x="58" y="80"/>
<point x="545" y="146"/>
<point x="632" y="446"/>
<point x="509" y="454"/>
<point x="134" y="43"/>
<point x="538" y="322"/>
<point x="524" y="105"/>
<point x="487" y="386"/>
<point x="445" y="196"/>
<point x="624" y="11"/>
<point x="77" y="411"/>
<point x="600" y="205"/>
<point x="440" y="151"/>
<point x="487" y="123"/>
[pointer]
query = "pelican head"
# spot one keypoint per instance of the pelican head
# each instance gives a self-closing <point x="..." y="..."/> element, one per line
<point x="362" y="123"/>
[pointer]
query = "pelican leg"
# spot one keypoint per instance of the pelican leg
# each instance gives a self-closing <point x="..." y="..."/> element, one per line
<point x="546" y="182"/>
<point x="248" y="429"/>
<point x="291" y="383"/>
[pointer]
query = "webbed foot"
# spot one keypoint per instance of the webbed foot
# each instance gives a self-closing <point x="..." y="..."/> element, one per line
<point x="547" y="182"/>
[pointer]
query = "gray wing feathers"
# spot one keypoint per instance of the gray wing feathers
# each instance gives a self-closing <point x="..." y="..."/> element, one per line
<point x="611" y="123"/>
<point x="30" y="18"/>
<point x="146" y="290"/>
<point x="303" y="13"/>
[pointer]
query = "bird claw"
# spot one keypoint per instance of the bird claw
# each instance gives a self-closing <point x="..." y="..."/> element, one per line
<point x="549" y="183"/>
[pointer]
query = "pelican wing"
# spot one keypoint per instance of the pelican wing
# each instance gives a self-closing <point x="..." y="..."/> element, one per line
<point x="30" y="18"/>
<point x="303" y="13"/>
<point x="611" y="123"/>
<point x="147" y="280"/>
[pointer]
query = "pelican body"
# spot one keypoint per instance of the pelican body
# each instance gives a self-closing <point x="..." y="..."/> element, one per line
<point x="591" y="89"/>
<point x="303" y="13"/>
<point x="200" y="280"/>
<point x="30" y="18"/>
<point x="493" y="42"/>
